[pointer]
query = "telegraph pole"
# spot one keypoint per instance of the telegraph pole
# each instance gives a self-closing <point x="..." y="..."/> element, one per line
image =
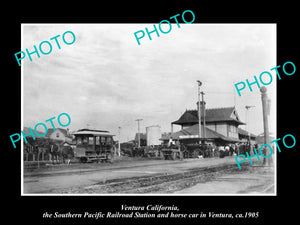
<point x="247" y="108"/>
<point x="119" y="142"/>
<point x="266" y="112"/>
<point x="199" y="111"/>
<point x="204" y="122"/>
<point x="139" y="137"/>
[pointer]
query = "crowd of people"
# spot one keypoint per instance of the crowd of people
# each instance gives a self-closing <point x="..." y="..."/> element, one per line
<point x="192" y="150"/>
<point x="211" y="150"/>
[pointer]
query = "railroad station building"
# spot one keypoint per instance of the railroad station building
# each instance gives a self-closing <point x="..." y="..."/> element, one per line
<point x="221" y="126"/>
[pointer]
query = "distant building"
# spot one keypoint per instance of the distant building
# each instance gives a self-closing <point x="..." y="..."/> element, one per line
<point x="60" y="135"/>
<point x="143" y="139"/>
<point x="244" y="136"/>
<point x="260" y="139"/>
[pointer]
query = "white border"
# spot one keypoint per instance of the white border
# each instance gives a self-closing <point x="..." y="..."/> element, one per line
<point x="22" y="122"/>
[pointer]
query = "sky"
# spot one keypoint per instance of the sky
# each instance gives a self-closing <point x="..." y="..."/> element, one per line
<point x="105" y="80"/>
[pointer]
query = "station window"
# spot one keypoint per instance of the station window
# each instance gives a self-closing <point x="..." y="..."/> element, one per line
<point x="232" y="128"/>
<point x="97" y="140"/>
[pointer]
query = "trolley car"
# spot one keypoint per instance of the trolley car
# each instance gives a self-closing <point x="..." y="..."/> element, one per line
<point x="93" y="145"/>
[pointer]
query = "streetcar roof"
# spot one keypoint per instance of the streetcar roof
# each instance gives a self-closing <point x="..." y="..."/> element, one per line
<point x="93" y="133"/>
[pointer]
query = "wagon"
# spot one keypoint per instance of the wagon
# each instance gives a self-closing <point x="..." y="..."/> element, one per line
<point x="152" y="151"/>
<point x="171" y="153"/>
<point x="191" y="150"/>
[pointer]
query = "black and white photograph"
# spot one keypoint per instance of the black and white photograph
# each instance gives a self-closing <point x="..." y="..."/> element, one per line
<point x="145" y="113"/>
<point x="130" y="109"/>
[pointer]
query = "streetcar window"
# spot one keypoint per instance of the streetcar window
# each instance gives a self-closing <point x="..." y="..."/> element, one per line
<point x="85" y="140"/>
<point x="91" y="140"/>
<point x="108" y="139"/>
<point x="79" y="141"/>
<point x="102" y="140"/>
<point x="97" y="140"/>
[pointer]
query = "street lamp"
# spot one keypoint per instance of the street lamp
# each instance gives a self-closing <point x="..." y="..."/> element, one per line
<point x="199" y="111"/>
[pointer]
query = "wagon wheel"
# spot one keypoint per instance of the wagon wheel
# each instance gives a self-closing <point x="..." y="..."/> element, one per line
<point x="171" y="156"/>
<point x="194" y="153"/>
<point x="108" y="158"/>
<point x="83" y="159"/>
<point x="181" y="155"/>
<point x="186" y="154"/>
<point x="162" y="155"/>
<point x="177" y="156"/>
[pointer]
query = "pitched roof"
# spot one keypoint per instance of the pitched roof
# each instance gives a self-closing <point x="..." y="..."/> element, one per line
<point x="193" y="130"/>
<point x="211" y="115"/>
<point x="86" y="129"/>
<point x="49" y="132"/>
<point x="245" y="133"/>
<point x="65" y="132"/>
<point x="93" y="133"/>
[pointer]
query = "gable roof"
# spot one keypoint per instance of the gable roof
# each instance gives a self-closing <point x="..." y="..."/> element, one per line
<point x="49" y="132"/>
<point x="63" y="131"/>
<point x="93" y="133"/>
<point x="245" y="133"/>
<point x="86" y="129"/>
<point x="211" y="115"/>
<point x="193" y="130"/>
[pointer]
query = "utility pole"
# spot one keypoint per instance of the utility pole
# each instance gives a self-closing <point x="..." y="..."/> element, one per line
<point x="266" y="112"/>
<point x="139" y="137"/>
<point x="247" y="108"/>
<point x="204" y="122"/>
<point x="119" y="142"/>
<point x="199" y="111"/>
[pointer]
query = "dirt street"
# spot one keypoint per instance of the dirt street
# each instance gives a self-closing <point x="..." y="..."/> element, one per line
<point x="137" y="176"/>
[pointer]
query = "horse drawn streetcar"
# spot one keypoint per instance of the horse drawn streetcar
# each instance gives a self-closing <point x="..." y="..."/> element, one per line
<point x="93" y="145"/>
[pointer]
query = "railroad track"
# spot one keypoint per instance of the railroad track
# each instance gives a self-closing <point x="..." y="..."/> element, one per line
<point x="159" y="183"/>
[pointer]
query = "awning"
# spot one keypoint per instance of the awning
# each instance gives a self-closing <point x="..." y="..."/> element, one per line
<point x="192" y="133"/>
